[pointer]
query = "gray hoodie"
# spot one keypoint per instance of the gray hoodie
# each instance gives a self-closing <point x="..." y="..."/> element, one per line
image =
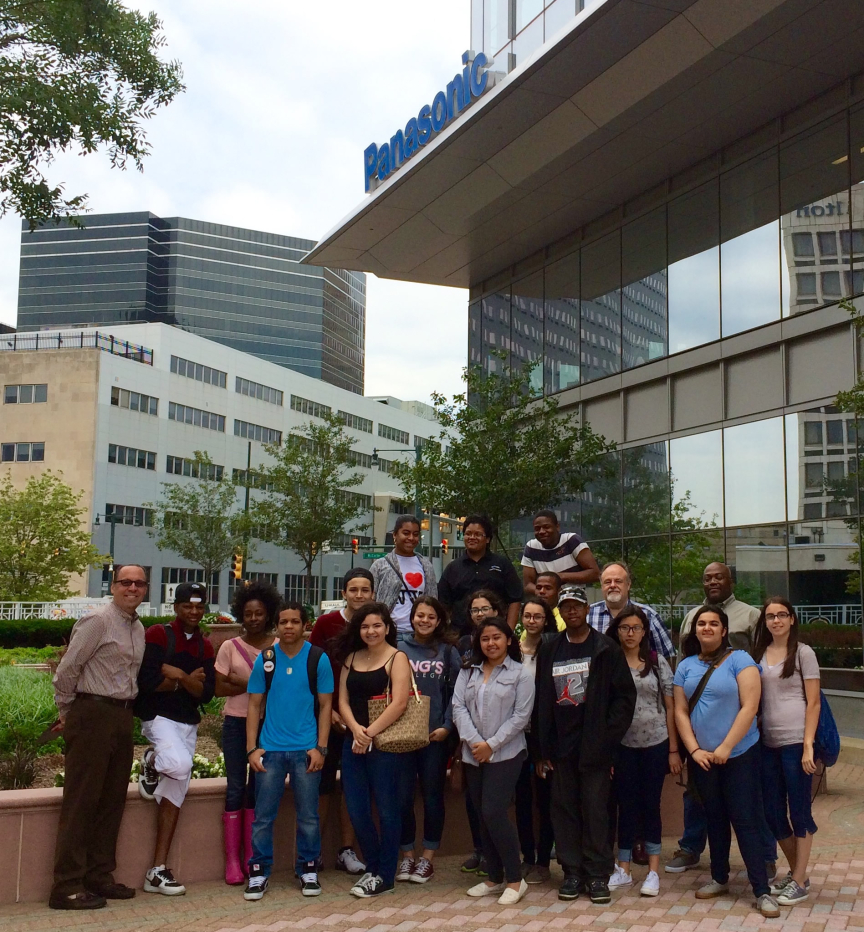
<point x="435" y="671"/>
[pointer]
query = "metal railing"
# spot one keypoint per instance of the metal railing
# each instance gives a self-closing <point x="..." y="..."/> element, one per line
<point x="843" y="614"/>
<point x="76" y="339"/>
<point x="23" y="611"/>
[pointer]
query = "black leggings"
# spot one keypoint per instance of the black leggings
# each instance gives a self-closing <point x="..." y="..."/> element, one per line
<point x="492" y="787"/>
<point x="529" y="789"/>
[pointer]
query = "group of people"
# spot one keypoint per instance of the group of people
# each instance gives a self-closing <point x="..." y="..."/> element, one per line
<point x="578" y="720"/>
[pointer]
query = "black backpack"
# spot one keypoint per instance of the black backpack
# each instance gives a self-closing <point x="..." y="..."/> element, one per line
<point x="171" y="645"/>
<point x="268" y="659"/>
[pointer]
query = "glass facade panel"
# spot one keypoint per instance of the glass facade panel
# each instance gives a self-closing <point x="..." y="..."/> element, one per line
<point x="824" y="578"/>
<point x="697" y="480"/>
<point x="561" y="354"/>
<point x="526" y="311"/>
<point x="649" y="559"/>
<point x="691" y="553"/>
<point x="757" y="557"/>
<point x="558" y="14"/>
<point x="602" y="500"/>
<point x="753" y="472"/>
<point x="646" y="490"/>
<point x="531" y="37"/>
<point x="644" y="316"/>
<point x="496" y="25"/>
<point x="495" y="329"/>
<point x="600" y="329"/>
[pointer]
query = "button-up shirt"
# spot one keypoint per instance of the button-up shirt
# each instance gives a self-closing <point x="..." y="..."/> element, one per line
<point x="742" y="622"/>
<point x="103" y="657"/>
<point x="600" y="617"/>
<point x="463" y="577"/>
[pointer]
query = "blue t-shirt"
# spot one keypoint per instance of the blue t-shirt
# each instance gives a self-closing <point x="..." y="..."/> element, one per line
<point x="290" y="724"/>
<point x="719" y="703"/>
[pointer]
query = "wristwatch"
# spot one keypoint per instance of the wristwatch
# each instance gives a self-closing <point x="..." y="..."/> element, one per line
<point x="322" y="751"/>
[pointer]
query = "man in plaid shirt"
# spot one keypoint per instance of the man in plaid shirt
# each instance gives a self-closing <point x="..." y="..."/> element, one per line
<point x="615" y="581"/>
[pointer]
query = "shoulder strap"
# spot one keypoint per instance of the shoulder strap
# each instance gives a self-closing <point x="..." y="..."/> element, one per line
<point x="170" y="643"/>
<point x="312" y="659"/>
<point x="394" y="565"/>
<point x="697" y="694"/>
<point x="241" y="650"/>
<point x="268" y="659"/>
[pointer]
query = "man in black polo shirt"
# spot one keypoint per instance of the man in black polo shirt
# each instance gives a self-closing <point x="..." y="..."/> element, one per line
<point x="177" y="675"/>
<point x="479" y="568"/>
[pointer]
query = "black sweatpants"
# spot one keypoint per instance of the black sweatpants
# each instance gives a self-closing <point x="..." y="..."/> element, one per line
<point x="492" y="787"/>
<point x="580" y="803"/>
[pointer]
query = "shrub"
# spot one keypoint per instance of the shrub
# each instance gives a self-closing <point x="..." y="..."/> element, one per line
<point x="29" y="655"/>
<point x="45" y="632"/>
<point x="26" y="710"/>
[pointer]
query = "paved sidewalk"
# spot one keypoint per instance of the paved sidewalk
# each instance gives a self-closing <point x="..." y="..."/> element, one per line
<point x="836" y="900"/>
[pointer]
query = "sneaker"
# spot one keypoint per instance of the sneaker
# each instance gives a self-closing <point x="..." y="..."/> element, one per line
<point x="712" y="889"/>
<point x="571" y="888"/>
<point x="482" y="869"/>
<point x="257" y="884"/>
<point x="651" y="884"/>
<point x="161" y="880"/>
<point x="511" y="897"/>
<point x="309" y="885"/>
<point x="348" y="861"/>
<point x="423" y="871"/>
<point x="483" y="889"/>
<point x="471" y="863"/>
<point x="148" y="779"/>
<point x="370" y="885"/>
<point x="598" y="891"/>
<point x="619" y="878"/>
<point x="537" y="873"/>
<point x="767" y="905"/>
<point x="406" y="865"/>
<point x="682" y="860"/>
<point x="778" y="886"/>
<point x="792" y="894"/>
<point x="84" y="899"/>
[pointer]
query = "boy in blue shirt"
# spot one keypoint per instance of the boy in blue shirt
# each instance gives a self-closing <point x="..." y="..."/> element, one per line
<point x="294" y="677"/>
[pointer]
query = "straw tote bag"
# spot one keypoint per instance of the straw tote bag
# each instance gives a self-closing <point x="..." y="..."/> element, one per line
<point x="410" y="731"/>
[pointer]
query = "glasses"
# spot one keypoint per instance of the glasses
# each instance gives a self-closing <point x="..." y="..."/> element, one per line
<point x="780" y="616"/>
<point x="482" y="610"/>
<point x="474" y="536"/>
<point x="132" y="583"/>
<point x="630" y="629"/>
<point x="528" y="617"/>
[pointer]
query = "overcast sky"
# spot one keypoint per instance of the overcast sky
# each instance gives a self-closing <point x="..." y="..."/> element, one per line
<point x="281" y="100"/>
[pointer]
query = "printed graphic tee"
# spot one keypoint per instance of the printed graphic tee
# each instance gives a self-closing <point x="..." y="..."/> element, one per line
<point x="571" y="667"/>
<point x="414" y="586"/>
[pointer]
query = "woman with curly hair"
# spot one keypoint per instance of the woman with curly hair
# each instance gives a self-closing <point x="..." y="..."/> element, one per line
<point x="256" y="607"/>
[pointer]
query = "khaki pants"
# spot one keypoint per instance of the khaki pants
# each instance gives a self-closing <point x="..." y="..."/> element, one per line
<point x="98" y="762"/>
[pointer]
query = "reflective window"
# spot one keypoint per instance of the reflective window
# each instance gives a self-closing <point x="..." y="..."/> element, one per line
<point x="526" y="11"/>
<point x="601" y="308"/>
<point x="496" y="21"/>
<point x="757" y="557"/>
<point x="824" y="583"/>
<point x="529" y="39"/>
<point x="646" y="489"/>
<point x="650" y="568"/>
<point x="527" y="328"/>
<point x="691" y="553"/>
<point x="694" y="268"/>
<point x="750" y="250"/>
<point x="562" y="324"/>
<point x="25" y="394"/>
<point x="753" y="472"/>
<point x="601" y="501"/>
<point x="644" y="319"/>
<point x="558" y="14"/>
<point x="697" y="480"/>
<point x="495" y="332"/>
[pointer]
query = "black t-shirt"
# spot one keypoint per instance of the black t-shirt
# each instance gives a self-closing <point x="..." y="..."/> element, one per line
<point x="463" y="577"/>
<point x="571" y="665"/>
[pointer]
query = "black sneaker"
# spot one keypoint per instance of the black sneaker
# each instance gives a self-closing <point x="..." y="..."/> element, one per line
<point x="370" y="885"/>
<point x="309" y="885"/>
<point x="571" y="888"/>
<point x="148" y="779"/>
<point x="84" y="899"/>
<point x="161" y="880"/>
<point x="482" y="868"/>
<point x="257" y="884"/>
<point x="471" y="863"/>
<point x="598" y="890"/>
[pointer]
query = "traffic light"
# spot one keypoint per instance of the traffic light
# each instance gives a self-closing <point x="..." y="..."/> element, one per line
<point x="237" y="566"/>
<point x="355" y="545"/>
<point x="444" y="546"/>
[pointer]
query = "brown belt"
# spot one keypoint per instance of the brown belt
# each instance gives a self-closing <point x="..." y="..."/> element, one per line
<point x="93" y="697"/>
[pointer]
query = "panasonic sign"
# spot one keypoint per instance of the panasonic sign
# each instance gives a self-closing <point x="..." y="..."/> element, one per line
<point x="379" y="162"/>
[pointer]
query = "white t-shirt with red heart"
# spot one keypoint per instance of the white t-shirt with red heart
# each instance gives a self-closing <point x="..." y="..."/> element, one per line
<point x="415" y="583"/>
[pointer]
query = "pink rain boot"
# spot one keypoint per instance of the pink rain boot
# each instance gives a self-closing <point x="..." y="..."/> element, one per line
<point x="233" y="825"/>
<point x="248" y="819"/>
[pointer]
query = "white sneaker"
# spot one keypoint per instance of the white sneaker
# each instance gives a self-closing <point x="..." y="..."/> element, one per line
<point x="161" y="880"/>
<point x="651" y="886"/>
<point x="619" y="878"/>
<point x="511" y="897"/>
<point x="483" y="889"/>
<point x="348" y="861"/>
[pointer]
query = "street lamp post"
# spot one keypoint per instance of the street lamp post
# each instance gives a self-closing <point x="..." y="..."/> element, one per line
<point x="376" y="464"/>
<point x="113" y="520"/>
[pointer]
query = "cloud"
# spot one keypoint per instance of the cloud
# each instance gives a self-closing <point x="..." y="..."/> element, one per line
<point x="281" y="100"/>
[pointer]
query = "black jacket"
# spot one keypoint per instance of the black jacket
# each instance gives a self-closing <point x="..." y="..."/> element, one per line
<point x="610" y="701"/>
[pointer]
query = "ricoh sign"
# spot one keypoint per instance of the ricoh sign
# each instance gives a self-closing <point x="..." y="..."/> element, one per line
<point x="379" y="162"/>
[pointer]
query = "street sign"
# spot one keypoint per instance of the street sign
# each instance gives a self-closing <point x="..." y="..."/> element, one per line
<point x="374" y="554"/>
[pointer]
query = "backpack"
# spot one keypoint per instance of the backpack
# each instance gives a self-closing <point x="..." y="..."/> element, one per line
<point x="826" y="744"/>
<point x="268" y="659"/>
<point x="171" y="645"/>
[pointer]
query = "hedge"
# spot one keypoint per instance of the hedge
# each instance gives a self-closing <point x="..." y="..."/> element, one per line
<point x="49" y="632"/>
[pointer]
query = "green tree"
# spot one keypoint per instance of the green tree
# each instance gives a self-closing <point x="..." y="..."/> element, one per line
<point x="42" y="539"/>
<point x="306" y="499"/>
<point x="509" y="454"/>
<point x="200" y="520"/>
<point x="74" y="75"/>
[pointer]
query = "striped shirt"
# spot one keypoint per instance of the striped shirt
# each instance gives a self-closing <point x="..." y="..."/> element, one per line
<point x="600" y="617"/>
<point x="560" y="559"/>
<point x="104" y="655"/>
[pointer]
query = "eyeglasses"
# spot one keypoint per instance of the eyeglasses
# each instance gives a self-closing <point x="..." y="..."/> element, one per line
<point x="482" y="610"/>
<point x="630" y="629"/>
<point x="528" y="617"/>
<point x="132" y="583"/>
<point x="470" y="536"/>
<point x="780" y="616"/>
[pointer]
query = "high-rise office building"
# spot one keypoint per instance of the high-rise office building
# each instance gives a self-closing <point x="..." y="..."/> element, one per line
<point x="243" y="288"/>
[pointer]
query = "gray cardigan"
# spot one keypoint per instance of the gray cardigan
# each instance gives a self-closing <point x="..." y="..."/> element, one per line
<point x="388" y="581"/>
<point x="507" y="706"/>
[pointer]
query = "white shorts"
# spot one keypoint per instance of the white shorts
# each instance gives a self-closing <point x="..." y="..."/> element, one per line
<point x="174" y="743"/>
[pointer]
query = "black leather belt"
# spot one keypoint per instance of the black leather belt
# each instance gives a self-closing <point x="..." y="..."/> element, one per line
<point x="123" y="703"/>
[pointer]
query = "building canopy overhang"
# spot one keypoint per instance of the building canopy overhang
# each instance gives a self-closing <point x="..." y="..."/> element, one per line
<point x="631" y="93"/>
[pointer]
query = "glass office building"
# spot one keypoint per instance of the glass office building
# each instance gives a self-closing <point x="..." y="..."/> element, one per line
<point x="660" y="206"/>
<point x="243" y="288"/>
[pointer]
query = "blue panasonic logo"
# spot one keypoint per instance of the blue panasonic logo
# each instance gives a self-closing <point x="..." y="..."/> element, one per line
<point x="379" y="162"/>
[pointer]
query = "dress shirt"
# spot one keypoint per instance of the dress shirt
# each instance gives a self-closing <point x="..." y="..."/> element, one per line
<point x="104" y="655"/>
<point x="742" y="622"/>
<point x="600" y="617"/>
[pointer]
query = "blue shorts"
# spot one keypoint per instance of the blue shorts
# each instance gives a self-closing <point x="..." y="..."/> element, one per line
<point x="786" y="792"/>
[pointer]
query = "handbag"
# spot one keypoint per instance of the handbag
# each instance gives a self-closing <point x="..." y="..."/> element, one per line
<point x="410" y="731"/>
<point x="826" y="743"/>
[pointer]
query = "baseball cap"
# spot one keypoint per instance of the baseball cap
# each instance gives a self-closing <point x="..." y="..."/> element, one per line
<point x="574" y="593"/>
<point x="195" y="592"/>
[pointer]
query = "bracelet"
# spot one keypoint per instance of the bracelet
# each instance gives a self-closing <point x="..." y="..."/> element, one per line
<point x="697" y="748"/>
<point x="249" y="753"/>
<point x="676" y="751"/>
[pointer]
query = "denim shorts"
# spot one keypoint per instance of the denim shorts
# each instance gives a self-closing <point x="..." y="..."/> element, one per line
<point x="786" y="792"/>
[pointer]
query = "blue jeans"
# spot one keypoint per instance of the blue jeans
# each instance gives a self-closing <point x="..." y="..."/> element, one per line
<point x="430" y="765"/>
<point x="732" y="794"/>
<point x="240" y="792"/>
<point x="785" y="784"/>
<point x="696" y="828"/>
<point x="270" y="786"/>
<point x="375" y="773"/>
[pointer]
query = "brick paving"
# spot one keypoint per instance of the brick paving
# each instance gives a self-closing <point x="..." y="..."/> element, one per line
<point x="836" y="901"/>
